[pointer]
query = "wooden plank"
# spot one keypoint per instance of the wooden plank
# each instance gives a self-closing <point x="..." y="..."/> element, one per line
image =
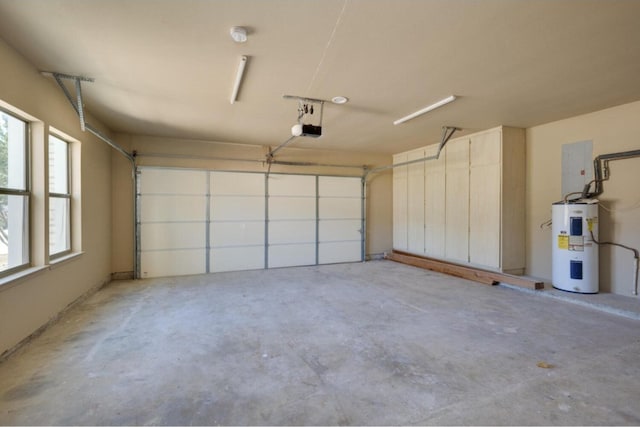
<point x="469" y="273"/>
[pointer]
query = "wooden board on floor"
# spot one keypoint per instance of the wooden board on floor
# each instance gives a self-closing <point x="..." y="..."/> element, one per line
<point x="470" y="273"/>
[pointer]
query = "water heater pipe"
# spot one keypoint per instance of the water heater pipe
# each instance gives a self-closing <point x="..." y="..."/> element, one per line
<point x="601" y="171"/>
<point x="636" y="257"/>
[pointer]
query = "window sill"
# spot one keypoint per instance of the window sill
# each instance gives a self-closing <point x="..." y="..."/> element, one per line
<point x="16" y="278"/>
<point x="64" y="259"/>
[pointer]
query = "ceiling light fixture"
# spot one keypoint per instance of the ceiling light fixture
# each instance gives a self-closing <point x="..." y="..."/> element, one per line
<point x="238" y="81"/>
<point x="339" y="99"/>
<point x="238" y="34"/>
<point x="426" y="109"/>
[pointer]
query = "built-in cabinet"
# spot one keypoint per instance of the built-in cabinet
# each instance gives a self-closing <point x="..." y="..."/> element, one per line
<point x="415" y="205"/>
<point x="468" y="205"/>
<point x="400" y="230"/>
<point x="456" y="203"/>
<point x="434" y="203"/>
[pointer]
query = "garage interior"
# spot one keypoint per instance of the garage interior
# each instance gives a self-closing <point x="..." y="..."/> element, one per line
<point x="202" y="203"/>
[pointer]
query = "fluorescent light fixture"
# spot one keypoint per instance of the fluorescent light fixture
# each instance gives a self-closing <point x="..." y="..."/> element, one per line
<point x="239" y="74"/>
<point x="426" y="109"/>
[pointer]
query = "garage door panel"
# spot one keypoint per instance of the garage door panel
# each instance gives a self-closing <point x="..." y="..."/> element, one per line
<point x="292" y="208"/>
<point x="225" y="234"/>
<point x="237" y="184"/>
<point x="292" y="255"/>
<point x="172" y="208"/>
<point x="172" y="236"/>
<point x="232" y="208"/>
<point x="292" y="185"/>
<point x="172" y="181"/>
<point x="333" y="186"/>
<point x="339" y="208"/>
<point x="335" y="252"/>
<point x="339" y="230"/>
<point x="292" y="232"/>
<point x="236" y="259"/>
<point x="173" y="263"/>
<point x="301" y="209"/>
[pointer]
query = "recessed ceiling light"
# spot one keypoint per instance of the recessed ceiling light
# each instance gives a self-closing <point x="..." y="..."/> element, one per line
<point x="238" y="34"/>
<point x="339" y="99"/>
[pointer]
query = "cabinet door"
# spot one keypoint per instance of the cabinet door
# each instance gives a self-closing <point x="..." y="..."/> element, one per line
<point x="415" y="203"/>
<point x="400" y="203"/>
<point x="434" y="203"/>
<point x="484" y="199"/>
<point x="457" y="200"/>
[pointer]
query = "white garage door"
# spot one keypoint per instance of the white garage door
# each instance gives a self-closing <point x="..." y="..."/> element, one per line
<point x="339" y="219"/>
<point x="194" y="221"/>
<point x="237" y="213"/>
<point x="173" y="222"/>
<point x="292" y="220"/>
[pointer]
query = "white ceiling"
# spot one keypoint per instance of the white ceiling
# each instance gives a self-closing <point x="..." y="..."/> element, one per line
<point x="166" y="67"/>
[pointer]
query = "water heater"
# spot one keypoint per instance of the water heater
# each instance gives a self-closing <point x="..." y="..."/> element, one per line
<point x="575" y="254"/>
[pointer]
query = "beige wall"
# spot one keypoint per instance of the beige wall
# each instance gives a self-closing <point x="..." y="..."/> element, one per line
<point x="207" y="155"/>
<point x="612" y="130"/>
<point x="29" y="303"/>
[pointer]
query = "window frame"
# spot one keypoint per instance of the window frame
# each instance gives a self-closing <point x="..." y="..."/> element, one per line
<point x="66" y="196"/>
<point x="26" y="192"/>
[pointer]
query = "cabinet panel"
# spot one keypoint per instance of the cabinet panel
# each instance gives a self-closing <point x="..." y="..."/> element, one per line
<point x="484" y="215"/>
<point x="434" y="203"/>
<point x="400" y="203"/>
<point x="485" y="148"/>
<point x="415" y="203"/>
<point x="457" y="200"/>
<point x="484" y="198"/>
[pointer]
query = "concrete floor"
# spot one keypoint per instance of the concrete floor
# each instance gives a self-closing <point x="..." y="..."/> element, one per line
<point x="375" y="343"/>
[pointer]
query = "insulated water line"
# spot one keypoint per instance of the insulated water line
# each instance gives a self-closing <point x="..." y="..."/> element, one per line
<point x="601" y="171"/>
<point x="636" y="254"/>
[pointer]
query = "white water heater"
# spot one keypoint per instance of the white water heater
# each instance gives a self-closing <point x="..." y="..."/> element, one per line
<point x="575" y="254"/>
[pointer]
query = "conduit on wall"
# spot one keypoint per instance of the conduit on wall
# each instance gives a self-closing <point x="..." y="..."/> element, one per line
<point x="601" y="173"/>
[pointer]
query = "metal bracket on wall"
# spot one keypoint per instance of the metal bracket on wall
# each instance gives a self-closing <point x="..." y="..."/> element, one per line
<point x="447" y="133"/>
<point x="78" y="106"/>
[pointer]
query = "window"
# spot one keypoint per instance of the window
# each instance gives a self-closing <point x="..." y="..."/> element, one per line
<point x="59" y="198"/>
<point x="14" y="194"/>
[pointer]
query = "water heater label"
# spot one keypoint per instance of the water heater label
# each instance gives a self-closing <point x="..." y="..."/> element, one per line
<point x="576" y="243"/>
<point x="563" y="241"/>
